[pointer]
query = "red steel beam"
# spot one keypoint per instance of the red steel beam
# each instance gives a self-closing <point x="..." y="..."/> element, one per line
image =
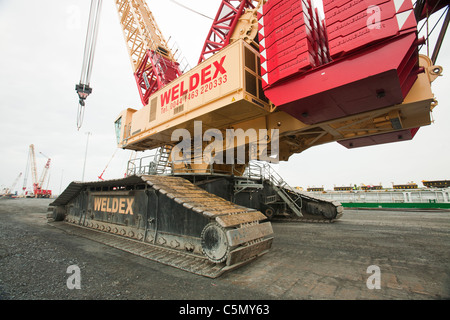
<point x="223" y="26"/>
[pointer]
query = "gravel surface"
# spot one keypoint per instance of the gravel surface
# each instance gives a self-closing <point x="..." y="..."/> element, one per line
<point x="307" y="261"/>
<point x="34" y="258"/>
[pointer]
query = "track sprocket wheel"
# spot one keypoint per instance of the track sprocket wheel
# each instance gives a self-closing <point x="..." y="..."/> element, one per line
<point x="215" y="243"/>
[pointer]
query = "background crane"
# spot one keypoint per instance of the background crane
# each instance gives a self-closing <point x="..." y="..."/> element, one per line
<point x="43" y="177"/>
<point x="8" y="192"/>
<point x="38" y="191"/>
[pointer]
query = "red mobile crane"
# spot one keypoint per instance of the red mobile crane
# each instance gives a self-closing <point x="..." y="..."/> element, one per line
<point x="38" y="191"/>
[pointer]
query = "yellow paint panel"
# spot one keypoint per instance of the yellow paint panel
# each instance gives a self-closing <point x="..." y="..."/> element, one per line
<point x="213" y="92"/>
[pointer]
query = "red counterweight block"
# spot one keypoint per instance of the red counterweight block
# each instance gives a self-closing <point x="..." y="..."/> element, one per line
<point x="289" y="39"/>
<point x="283" y="19"/>
<point x="339" y="11"/>
<point x="355" y="25"/>
<point x="370" y="79"/>
<point x="352" y="25"/>
<point x="293" y="53"/>
<point x="363" y="57"/>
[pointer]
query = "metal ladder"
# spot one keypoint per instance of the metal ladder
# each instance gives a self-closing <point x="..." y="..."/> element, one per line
<point x="292" y="199"/>
<point x="161" y="161"/>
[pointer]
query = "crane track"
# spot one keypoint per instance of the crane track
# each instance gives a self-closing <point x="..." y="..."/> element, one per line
<point x="232" y="235"/>
<point x="315" y="209"/>
<point x="175" y="258"/>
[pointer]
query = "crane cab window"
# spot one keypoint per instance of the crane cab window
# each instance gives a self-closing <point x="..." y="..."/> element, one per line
<point x="118" y="127"/>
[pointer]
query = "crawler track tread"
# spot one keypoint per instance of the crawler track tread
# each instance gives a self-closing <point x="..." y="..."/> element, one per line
<point x="241" y="223"/>
<point x="181" y="260"/>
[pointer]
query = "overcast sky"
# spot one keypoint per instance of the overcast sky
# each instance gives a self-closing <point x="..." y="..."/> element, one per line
<point x="42" y="45"/>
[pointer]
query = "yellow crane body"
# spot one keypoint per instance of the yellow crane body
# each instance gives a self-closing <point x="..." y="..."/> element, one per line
<point x="220" y="92"/>
<point x="209" y="212"/>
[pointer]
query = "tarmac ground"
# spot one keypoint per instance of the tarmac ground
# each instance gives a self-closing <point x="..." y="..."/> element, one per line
<point x="366" y="255"/>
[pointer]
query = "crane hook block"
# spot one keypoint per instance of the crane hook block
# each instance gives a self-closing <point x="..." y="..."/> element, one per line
<point x="83" y="91"/>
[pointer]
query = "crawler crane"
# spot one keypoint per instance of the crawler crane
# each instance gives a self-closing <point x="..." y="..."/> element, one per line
<point x="274" y="78"/>
<point x="38" y="184"/>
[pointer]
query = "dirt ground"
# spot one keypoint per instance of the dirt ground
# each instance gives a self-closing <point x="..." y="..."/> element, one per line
<point x="407" y="252"/>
